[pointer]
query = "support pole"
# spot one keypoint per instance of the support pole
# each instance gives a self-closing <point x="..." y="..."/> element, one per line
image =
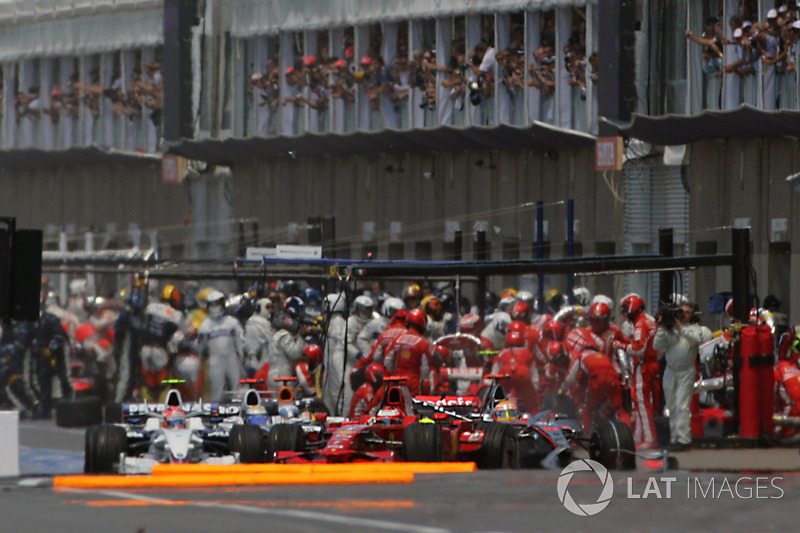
<point x="665" y="249"/>
<point x="540" y="251"/>
<point x="740" y="250"/>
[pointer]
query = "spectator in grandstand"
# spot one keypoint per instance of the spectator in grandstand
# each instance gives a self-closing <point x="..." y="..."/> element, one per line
<point x="56" y="104"/>
<point x="295" y="82"/>
<point x="119" y="101"/>
<point x="90" y="92"/>
<point x="29" y="105"/>
<point x="513" y="77"/>
<point x="154" y="91"/>
<point x="343" y="89"/>
<point x="542" y="77"/>
<point x="785" y="63"/>
<point x="711" y="40"/>
<point x="376" y="85"/>
<point x="399" y="79"/>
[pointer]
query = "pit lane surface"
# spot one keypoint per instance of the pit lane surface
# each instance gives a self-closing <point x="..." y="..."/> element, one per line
<point x="479" y="501"/>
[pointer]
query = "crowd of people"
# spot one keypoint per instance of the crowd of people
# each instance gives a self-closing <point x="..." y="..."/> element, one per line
<point x="415" y="79"/>
<point x="341" y="345"/>
<point x="143" y="95"/>
<point x="763" y="52"/>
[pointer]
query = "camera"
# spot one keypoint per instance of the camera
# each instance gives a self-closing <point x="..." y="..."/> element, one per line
<point x="474" y="91"/>
<point x="669" y="314"/>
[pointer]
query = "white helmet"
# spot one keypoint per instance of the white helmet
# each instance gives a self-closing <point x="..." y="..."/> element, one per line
<point x="363" y="306"/>
<point x="501" y="320"/>
<point x="506" y="303"/>
<point x="391" y="306"/>
<point x="334" y="303"/>
<point x="602" y="298"/>
<point x="581" y="295"/>
<point x="526" y="296"/>
<point x="264" y="305"/>
<point x="215" y="302"/>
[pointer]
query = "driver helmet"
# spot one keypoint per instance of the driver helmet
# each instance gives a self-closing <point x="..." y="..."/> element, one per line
<point x="174" y="418"/>
<point x="505" y="411"/>
<point x="256" y="415"/>
<point x="288" y="410"/>
<point x="389" y="414"/>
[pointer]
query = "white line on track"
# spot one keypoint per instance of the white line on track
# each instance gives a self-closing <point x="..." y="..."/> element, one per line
<point x="349" y="521"/>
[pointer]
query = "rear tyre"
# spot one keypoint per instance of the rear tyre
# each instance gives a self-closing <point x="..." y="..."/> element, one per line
<point x="422" y="443"/>
<point x="248" y="441"/>
<point x="499" y="449"/>
<point x="90" y="450"/>
<point x="111" y="442"/>
<point x="79" y="413"/>
<point x="286" y="438"/>
<point x="611" y="445"/>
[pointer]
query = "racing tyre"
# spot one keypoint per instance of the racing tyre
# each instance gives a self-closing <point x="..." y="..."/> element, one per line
<point x="560" y="404"/>
<point x="611" y="445"/>
<point x="499" y="449"/>
<point x="422" y="443"/>
<point x="112" y="413"/>
<point x="248" y="440"/>
<point x="286" y="438"/>
<point x="111" y="442"/>
<point x="90" y="450"/>
<point x="79" y="413"/>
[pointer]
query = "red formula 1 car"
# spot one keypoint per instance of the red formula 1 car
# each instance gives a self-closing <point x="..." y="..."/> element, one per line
<point x="394" y="431"/>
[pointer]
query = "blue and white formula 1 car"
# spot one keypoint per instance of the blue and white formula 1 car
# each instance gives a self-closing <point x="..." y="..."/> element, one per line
<point x="172" y="432"/>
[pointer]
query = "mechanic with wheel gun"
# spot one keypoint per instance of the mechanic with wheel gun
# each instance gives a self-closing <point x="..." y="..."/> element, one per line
<point x="51" y="355"/>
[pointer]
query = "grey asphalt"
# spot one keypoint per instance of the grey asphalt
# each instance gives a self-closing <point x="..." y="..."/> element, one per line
<point x="714" y="490"/>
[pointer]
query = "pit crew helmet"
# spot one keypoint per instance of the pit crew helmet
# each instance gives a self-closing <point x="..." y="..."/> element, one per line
<point x="363" y="306"/>
<point x="514" y="338"/>
<point x="294" y="307"/>
<point x="520" y="311"/>
<point x="391" y="306"/>
<point x="374" y="374"/>
<point x="412" y="294"/>
<point x="432" y="306"/>
<point x="470" y="323"/>
<point x="215" y="303"/>
<point x="505" y="411"/>
<point x="631" y="305"/>
<point x="418" y="320"/>
<point x="553" y="329"/>
<point x="314" y="353"/>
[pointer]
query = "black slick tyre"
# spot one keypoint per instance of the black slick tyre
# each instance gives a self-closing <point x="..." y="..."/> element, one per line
<point x="422" y="443"/>
<point x="81" y="412"/>
<point x="248" y="441"/>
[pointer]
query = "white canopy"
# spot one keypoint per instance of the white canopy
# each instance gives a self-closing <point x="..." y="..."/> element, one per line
<point x="260" y="17"/>
<point x="45" y="28"/>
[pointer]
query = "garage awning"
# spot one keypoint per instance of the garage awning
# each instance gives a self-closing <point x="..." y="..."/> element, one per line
<point x="444" y="138"/>
<point x="90" y="155"/>
<point x="744" y="122"/>
<point x="261" y="17"/>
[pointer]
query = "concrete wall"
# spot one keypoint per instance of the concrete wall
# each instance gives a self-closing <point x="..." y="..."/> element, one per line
<point x="735" y="179"/>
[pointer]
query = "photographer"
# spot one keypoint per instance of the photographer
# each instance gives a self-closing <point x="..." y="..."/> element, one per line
<point x="678" y="339"/>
